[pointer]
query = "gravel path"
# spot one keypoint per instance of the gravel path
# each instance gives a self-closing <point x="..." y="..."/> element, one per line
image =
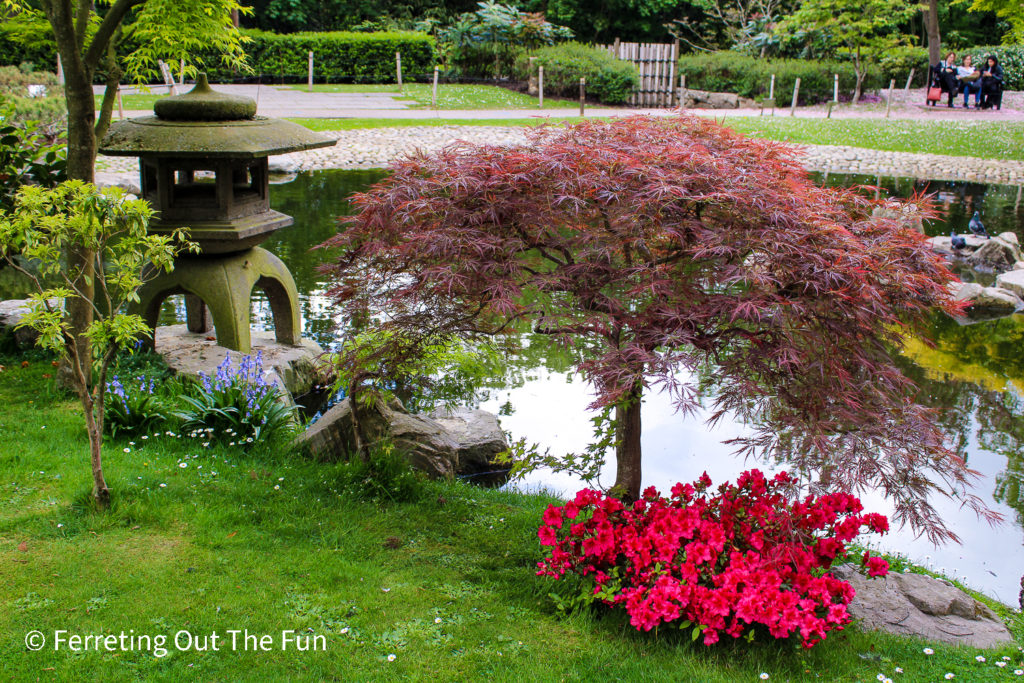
<point x="376" y="147"/>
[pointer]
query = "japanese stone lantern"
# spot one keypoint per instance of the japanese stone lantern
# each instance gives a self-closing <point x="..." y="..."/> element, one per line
<point x="203" y="161"/>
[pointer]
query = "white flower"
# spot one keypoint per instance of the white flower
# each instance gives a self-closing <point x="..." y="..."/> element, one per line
<point x="60" y="526"/>
<point x="131" y="443"/>
<point x="280" y="478"/>
<point x="206" y="444"/>
<point x="277" y="487"/>
<point x="145" y="436"/>
<point x="437" y="620"/>
<point x="127" y="450"/>
<point x="949" y="676"/>
<point x="344" y="630"/>
<point x="899" y="670"/>
<point x="1018" y="672"/>
<point x="764" y="676"/>
<point x="163" y="486"/>
<point x="880" y="677"/>
<point x="386" y="590"/>
<point x="182" y="465"/>
<point x="391" y="658"/>
<point x="928" y="651"/>
<point x="979" y="658"/>
<point x="1000" y="664"/>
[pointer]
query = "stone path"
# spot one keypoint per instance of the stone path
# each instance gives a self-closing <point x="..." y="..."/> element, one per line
<point x="377" y="147"/>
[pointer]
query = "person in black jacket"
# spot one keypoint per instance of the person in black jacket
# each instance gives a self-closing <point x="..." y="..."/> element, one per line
<point x="945" y="72"/>
<point x="991" y="83"/>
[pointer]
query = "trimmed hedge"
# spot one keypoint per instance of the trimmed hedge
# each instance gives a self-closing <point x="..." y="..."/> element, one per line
<point x="338" y="55"/>
<point x="609" y="80"/>
<point x="751" y="77"/>
<point x="341" y="55"/>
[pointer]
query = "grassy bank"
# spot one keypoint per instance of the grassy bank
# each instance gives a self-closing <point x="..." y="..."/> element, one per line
<point x="440" y="575"/>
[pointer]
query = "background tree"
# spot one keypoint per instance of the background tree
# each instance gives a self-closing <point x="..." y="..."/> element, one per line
<point x="866" y="29"/>
<point x="1010" y="11"/>
<point x="667" y="247"/>
<point x="76" y="215"/>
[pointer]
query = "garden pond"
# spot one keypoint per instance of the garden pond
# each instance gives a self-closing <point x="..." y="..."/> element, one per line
<point x="973" y="377"/>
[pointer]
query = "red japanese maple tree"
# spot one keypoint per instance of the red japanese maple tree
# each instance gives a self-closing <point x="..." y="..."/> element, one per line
<point x="678" y="245"/>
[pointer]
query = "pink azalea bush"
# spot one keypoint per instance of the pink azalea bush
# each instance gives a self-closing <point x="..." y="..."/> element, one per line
<point x="722" y="562"/>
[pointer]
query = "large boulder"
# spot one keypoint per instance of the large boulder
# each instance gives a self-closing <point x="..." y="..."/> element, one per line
<point x="480" y="439"/>
<point x="1012" y="281"/>
<point x="296" y="369"/>
<point x="944" y="245"/>
<point x="11" y="313"/>
<point x="989" y="299"/>
<point x="703" y="99"/>
<point x="442" y="444"/>
<point x="922" y="606"/>
<point x="1000" y="252"/>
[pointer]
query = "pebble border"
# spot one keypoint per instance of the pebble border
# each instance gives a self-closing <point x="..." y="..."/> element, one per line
<point x="377" y="147"/>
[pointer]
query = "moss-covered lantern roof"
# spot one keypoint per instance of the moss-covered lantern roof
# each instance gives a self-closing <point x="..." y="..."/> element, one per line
<point x="204" y="123"/>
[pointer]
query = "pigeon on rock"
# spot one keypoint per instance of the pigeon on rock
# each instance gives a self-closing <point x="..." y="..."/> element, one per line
<point x="958" y="241"/>
<point x="977" y="227"/>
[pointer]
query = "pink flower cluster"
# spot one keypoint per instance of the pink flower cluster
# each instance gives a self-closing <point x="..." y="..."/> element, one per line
<point x="725" y="561"/>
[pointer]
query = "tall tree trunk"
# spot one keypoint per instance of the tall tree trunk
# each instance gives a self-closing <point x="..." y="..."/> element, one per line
<point x="931" y="26"/>
<point x="627" y="450"/>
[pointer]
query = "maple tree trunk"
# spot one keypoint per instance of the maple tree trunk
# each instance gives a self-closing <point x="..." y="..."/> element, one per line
<point x="627" y="449"/>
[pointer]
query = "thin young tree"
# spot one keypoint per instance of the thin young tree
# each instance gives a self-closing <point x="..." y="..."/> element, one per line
<point x="675" y="248"/>
<point x="75" y="215"/>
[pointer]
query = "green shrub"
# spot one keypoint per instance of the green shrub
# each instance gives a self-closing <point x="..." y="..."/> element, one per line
<point x="338" y="56"/>
<point x="28" y="39"/>
<point x="348" y="56"/>
<point x="609" y="80"/>
<point x="31" y="153"/>
<point x="748" y="76"/>
<point x="46" y="107"/>
<point x="1011" y="58"/>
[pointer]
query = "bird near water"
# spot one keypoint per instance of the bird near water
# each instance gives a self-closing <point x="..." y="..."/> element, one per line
<point x="977" y="227"/>
<point x="957" y="240"/>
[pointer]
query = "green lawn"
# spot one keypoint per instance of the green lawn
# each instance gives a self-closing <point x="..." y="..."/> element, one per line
<point x="210" y="540"/>
<point x="977" y="139"/>
<point x="982" y="139"/>
<point x="450" y="96"/>
<point x="137" y="102"/>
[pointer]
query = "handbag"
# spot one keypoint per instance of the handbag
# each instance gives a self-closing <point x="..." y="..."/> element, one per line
<point x="934" y="94"/>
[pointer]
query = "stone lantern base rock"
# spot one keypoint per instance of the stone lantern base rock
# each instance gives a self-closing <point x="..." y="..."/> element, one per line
<point x="295" y="369"/>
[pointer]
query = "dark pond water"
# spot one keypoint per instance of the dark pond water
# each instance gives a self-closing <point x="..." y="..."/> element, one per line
<point x="974" y="377"/>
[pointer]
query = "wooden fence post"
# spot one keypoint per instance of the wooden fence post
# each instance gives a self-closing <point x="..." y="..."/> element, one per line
<point x="888" y="100"/>
<point x="583" y="95"/>
<point x="540" y="87"/>
<point x="398" y="69"/>
<point x="796" y="94"/>
<point x="433" y="94"/>
<point x="310" y="84"/>
<point x="835" y="88"/>
<point x="120" y="103"/>
<point x="771" y="88"/>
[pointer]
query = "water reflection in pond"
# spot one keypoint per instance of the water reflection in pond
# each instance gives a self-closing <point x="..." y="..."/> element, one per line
<point x="973" y="378"/>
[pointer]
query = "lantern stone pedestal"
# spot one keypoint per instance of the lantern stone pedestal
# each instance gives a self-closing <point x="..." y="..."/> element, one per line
<point x="203" y="163"/>
<point x="223" y="286"/>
